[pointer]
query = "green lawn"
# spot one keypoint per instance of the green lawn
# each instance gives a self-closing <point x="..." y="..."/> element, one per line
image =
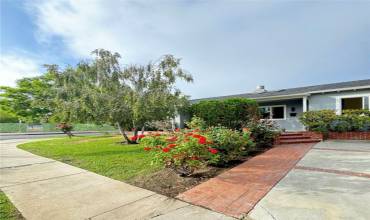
<point x="7" y="209"/>
<point x="103" y="155"/>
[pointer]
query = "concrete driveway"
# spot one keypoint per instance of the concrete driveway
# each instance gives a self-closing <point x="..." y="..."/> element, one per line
<point x="332" y="181"/>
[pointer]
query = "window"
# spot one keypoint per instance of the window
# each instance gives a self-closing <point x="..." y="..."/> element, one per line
<point x="352" y="103"/>
<point x="273" y="112"/>
<point x="278" y="112"/>
<point x="265" y="112"/>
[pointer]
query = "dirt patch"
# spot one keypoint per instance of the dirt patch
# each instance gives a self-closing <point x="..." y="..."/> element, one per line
<point x="167" y="182"/>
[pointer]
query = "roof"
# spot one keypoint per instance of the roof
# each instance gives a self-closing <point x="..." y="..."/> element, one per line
<point x="307" y="90"/>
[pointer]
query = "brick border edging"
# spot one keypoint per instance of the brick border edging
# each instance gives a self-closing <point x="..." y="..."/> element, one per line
<point x="350" y="135"/>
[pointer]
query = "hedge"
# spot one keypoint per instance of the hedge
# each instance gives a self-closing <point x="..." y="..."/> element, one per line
<point x="326" y="120"/>
<point x="232" y="113"/>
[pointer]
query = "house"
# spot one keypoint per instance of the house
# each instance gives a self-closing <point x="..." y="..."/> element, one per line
<point x="286" y="105"/>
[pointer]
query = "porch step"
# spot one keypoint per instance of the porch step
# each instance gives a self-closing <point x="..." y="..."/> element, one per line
<point x="296" y="138"/>
<point x="292" y="134"/>
<point x="297" y="141"/>
<point x="289" y="137"/>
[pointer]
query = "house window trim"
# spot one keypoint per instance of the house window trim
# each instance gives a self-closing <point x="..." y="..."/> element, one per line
<point x="351" y="96"/>
<point x="274" y="119"/>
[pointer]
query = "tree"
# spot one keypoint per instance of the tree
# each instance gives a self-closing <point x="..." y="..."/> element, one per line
<point x="31" y="100"/>
<point x="100" y="91"/>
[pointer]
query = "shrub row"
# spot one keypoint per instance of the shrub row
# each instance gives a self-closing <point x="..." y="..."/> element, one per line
<point x="326" y="120"/>
<point x="232" y="113"/>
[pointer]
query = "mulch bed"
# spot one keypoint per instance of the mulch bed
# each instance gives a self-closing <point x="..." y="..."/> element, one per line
<point x="169" y="183"/>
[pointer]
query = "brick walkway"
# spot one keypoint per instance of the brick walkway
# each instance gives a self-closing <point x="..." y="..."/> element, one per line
<point x="238" y="190"/>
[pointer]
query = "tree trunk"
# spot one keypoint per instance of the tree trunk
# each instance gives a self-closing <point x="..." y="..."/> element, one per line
<point x="143" y="130"/>
<point x="123" y="133"/>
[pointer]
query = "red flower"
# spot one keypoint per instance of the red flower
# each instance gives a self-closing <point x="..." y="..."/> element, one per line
<point x="212" y="150"/>
<point x="172" y="145"/>
<point x="133" y="138"/>
<point x="140" y="136"/>
<point x="189" y="134"/>
<point x="194" y="158"/>
<point x="177" y="129"/>
<point x="197" y="135"/>
<point x="202" y="140"/>
<point x="147" y="148"/>
<point x="157" y="134"/>
<point x="166" y="149"/>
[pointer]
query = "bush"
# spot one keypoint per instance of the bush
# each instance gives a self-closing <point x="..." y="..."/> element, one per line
<point x="232" y="113"/>
<point x="8" y="117"/>
<point x="326" y="120"/>
<point x="318" y="120"/>
<point x="66" y="128"/>
<point x="196" y="123"/>
<point x="231" y="144"/>
<point x="184" y="152"/>
<point x="263" y="132"/>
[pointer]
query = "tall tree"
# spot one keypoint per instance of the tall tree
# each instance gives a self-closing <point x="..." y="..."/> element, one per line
<point x="101" y="91"/>
<point x="31" y="99"/>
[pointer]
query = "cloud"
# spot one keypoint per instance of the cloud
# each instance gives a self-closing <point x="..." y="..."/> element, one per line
<point x="15" y="66"/>
<point x="229" y="46"/>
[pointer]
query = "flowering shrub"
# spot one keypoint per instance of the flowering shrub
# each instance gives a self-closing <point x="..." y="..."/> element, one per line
<point x="184" y="152"/>
<point x="263" y="132"/>
<point x="136" y="138"/>
<point x="231" y="144"/>
<point x="66" y="128"/>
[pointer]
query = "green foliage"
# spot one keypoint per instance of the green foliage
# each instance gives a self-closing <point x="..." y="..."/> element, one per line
<point x="196" y="123"/>
<point x="7" y="210"/>
<point x="184" y="152"/>
<point x="232" y="113"/>
<point x="318" y="120"/>
<point x="231" y="144"/>
<point x="102" y="92"/>
<point x="8" y="117"/>
<point x="326" y="120"/>
<point x="263" y="132"/>
<point x="32" y="100"/>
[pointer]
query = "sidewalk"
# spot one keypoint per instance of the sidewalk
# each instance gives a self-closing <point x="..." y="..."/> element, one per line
<point x="42" y="188"/>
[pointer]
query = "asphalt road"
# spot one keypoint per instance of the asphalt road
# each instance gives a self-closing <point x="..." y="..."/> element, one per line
<point x="14" y="136"/>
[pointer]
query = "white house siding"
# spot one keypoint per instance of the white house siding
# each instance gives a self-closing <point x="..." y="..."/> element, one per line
<point x="333" y="100"/>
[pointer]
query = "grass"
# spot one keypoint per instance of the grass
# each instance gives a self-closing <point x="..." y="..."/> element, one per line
<point x="7" y="209"/>
<point x="102" y="154"/>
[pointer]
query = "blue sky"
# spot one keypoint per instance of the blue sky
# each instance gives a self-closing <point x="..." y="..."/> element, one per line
<point x="229" y="46"/>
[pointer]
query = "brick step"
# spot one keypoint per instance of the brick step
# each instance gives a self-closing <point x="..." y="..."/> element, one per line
<point x="298" y="141"/>
<point x="291" y="137"/>
<point x="292" y="134"/>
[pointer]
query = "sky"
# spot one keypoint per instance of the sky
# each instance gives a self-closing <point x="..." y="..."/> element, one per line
<point x="228" y="46"/>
